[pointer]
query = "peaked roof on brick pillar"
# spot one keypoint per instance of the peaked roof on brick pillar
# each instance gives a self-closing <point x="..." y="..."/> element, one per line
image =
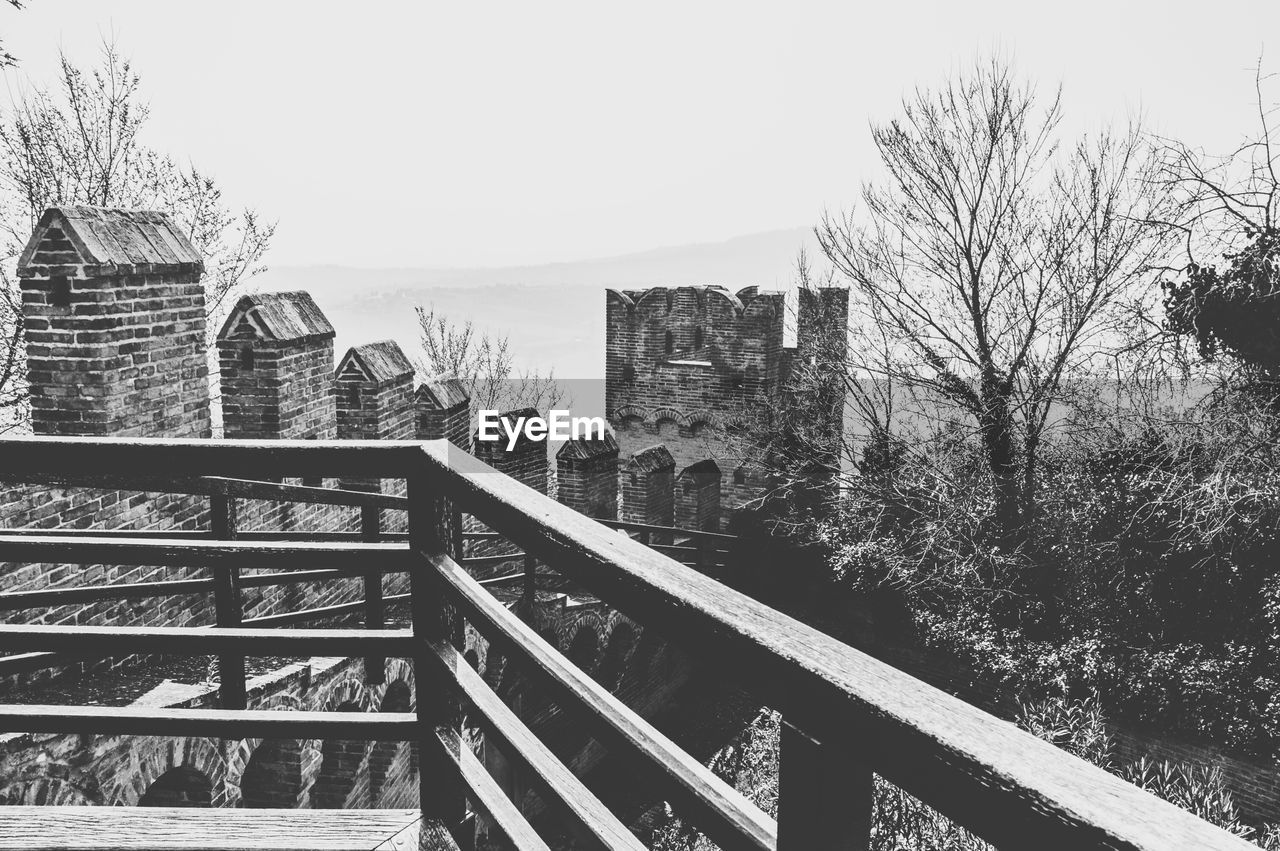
<point x="378" y="362"/>
<point x="443" y="392"/>
<point x="103" y="237"/>
<point x="279" y="317"/>
<point x="650" y="459"/>
<point x="585" y="448"/>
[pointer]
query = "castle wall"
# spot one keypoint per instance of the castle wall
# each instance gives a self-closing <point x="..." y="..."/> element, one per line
<point x="699" y="369"/>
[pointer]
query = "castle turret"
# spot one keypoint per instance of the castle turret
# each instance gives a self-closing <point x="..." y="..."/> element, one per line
<point x="115" y="324"/>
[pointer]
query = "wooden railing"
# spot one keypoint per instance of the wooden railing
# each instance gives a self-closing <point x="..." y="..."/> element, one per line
<point x="846" y="716"/>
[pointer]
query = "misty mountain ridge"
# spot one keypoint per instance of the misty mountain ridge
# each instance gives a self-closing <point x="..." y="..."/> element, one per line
<point x="553" y="313"/>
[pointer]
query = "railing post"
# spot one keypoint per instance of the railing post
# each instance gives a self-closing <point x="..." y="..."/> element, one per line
<point x="431" y="517"/>
<point x="530" y="578"/>
<point x="227" y="604"/>
<point x="825" y="796"/>
<point x="374" y="617"/>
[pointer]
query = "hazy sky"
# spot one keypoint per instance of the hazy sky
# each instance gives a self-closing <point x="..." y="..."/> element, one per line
<point x="497" y="133"/>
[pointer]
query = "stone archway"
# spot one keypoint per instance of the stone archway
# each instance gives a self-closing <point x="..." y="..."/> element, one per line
<point x="272" y="776"/>
<point x="181" y="786"/>
<point x="44" y="791"/>
<point x="621" y="642"/>
<point x="179" y="763"/>
<point x="340" y="782"/>
<point x="393" y="766"/>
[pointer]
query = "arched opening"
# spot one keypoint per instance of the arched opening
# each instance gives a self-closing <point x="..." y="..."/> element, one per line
<point x="697" y="337"/>
<point x="393" y="766"/>
<point x="182" y="786"/>
<point x="584" y="649"/>
<point x="272" y="778"/>
<point x="670" y="342"/>
<point x="338" y="783"/>
<point x="563" y="734"/>
<point x="622" y="639"/>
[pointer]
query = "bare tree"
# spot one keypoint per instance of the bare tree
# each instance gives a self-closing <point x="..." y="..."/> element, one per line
<point x="484" y="363"/>
<point x="996" y="261"/>
<point x="8" y="60"/>
<point x="81" y="143"/>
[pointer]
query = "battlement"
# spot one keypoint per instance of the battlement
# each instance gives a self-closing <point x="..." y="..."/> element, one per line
<point x="685" y="365"/>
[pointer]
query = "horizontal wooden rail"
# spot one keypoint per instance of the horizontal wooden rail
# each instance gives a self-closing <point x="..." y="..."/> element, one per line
<point x="40" y="459"/>
<point x="628" y="526"/>
<point x="591" y="822"/>
<point x="121" y="640"/>
<point x="728" y="818"/>
<point x="188" y="535"/>
<point x="305" y="615"/>
<point x="1008" y="786"/>
<point x="485" y="793"/>
<point x="488" y="561"/>
<point x="294" y="555"/>
<point x="18" y="600"/>
<point x="25" y="663"/>
<point x="214" y="723"/>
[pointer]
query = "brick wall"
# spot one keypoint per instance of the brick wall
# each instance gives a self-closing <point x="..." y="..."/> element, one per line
<point x="444" y="410"/>
<point x="697" y="494"/>
<point x="525" y="462"/>
<point x="648" y="489"/>
<point x="587" y="476"/>
<point x="697" y="369"/>
<point x="115" y="338"/>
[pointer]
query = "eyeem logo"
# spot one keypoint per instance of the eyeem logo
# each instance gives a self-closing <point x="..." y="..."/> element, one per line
<point x="559" y="426"/>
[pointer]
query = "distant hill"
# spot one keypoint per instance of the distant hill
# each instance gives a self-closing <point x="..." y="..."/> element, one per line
<point x="554" y="313"/>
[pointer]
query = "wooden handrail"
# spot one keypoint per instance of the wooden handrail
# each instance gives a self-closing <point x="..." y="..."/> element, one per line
<point x="178" y="552"/>
<point x="1005" y="784"/>
<point x="845" y="714"/>
<point x="724" y="814"/>
<point x="214" y="723"/>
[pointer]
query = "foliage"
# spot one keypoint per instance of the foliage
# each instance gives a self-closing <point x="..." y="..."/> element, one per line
<point x="1235" y="311"/>
<point x="83" y="142"/>
<point x="996" y="263"/>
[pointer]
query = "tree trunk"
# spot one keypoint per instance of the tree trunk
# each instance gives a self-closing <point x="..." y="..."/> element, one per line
<point x="996" y="425"/>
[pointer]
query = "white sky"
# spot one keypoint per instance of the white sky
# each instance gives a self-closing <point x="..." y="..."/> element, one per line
<point x="469" y="134"/>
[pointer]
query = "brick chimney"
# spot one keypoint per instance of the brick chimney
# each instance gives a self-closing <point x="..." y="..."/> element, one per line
<point x="275" y="352"/>
<point x="587" y="476"/>
<point x="115" y="321"/>
<point x="444" y="410"/>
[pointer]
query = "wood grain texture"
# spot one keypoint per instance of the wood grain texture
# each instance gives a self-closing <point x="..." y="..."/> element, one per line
<point x="36" y="459"/>
<point x="1012" y="788"/>
<point x="589" y="821"/>
<point x="116" y="640"/>
<point x="719" y="810"/>
<point x="166" y="829"/>
<point x="214" y="723"/>
<point x="483" y="791"/>
<point x="178" y="552"/>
